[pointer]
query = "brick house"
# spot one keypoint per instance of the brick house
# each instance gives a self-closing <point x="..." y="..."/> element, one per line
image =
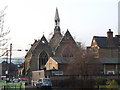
<point x="5" y="66"/>
<point x="107" y="50"/>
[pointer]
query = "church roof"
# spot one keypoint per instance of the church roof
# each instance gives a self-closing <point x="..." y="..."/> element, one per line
<point x="43" y="40"/>
<point x="67" y="38"/>
<point x="62" y="60"/>
<point x="55" y="40"/>
<point x="32" y="48"/>
<point x="41" y="44"/>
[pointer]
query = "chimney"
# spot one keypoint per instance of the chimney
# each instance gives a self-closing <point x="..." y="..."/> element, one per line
<point x="109" y="34"/>
<point x="117" y="35"/>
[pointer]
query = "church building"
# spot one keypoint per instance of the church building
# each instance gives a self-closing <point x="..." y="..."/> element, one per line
<point x="60" y="48"/>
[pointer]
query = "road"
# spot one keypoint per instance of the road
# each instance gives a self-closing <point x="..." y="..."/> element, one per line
<point x="55" y="88"/>
<point x="35" y="88"/>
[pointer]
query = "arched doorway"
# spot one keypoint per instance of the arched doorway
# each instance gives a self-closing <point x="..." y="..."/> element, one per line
<point x="43" y="58"/>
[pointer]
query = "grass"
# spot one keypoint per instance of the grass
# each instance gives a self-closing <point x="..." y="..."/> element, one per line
<point x="12" y="86"/>
<point x="106" y="86"/>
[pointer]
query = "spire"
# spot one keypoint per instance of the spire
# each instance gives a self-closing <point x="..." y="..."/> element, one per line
<point x="57" y="19"/>
<point x="57" y="23"/>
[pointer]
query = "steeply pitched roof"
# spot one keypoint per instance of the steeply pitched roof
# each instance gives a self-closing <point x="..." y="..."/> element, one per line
<point x="102" y="42"/>
<point x="67" y="38"/>
<point x="32" y="48"/>
<point x="55" y="40"/>
<point x="35" y="44"/>
<point x="66" y="42"/>
<point x="43" y="40"/>
<point x="43" y="45"/>
<point x="61" y="60"/>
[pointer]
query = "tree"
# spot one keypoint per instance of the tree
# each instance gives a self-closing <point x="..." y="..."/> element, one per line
<point x="84" y="64"/>
<point x="84" y="68"/>
<point x="112" y="84"/>
<point x="3" y="33"/>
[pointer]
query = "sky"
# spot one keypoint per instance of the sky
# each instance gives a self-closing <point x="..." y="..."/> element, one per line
<point x="30" y="19"/>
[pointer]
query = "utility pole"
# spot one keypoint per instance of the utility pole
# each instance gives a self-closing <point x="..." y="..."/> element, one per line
<point x="10" y="65"/>
<point x="118" y="57"/>
<point x="10" y="52"/>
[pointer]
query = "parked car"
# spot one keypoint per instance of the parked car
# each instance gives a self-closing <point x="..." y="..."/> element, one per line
<point x="24" y="80"/>
<point x="44" y="82"/>
<point x="15" y="80"/>
<point x="3" y="77"/>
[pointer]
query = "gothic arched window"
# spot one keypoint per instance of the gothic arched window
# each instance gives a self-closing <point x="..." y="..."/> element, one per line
<point x="43" y="58"/>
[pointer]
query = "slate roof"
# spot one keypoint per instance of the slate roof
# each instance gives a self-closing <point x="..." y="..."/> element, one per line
<point x="102" y="42"/>
<point x="62" y="60"/>
<point x="109" y="60"/>
<point x="32" y="48"/>
<point x="55" y="40"/>
<point x="43" y="40"/>
<point x="67" y="38"/>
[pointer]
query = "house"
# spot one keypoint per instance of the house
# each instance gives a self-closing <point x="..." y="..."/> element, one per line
<point x="20" y="68"/>
<point x="107" y="50"/>
<point x="5" y="66"/>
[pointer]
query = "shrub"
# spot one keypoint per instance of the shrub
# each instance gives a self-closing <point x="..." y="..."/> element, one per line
<point x="112" y="84"/>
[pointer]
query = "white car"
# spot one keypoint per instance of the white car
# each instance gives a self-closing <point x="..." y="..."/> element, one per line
<point x="15" y="80"/>
<point x="44" y="82"/>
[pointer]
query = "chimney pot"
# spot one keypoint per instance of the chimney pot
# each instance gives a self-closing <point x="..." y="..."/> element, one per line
<point x="109" y="34"/>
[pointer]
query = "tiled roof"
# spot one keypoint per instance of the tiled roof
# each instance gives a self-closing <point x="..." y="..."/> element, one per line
<point x="32" y="48"/>
<point x="55" y="40"/>
<point x="62" y="60"/>
<point x="102" y="42"/>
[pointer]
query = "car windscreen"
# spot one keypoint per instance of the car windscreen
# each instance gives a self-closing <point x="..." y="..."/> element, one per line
<point x="46" y="80"/>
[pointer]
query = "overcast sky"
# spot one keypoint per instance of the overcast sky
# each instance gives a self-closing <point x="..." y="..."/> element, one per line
<point x="28" y="19"/>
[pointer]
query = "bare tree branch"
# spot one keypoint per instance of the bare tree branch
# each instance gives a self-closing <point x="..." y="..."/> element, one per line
<point x="84" y="64"/>
<point x="3" y="33"/>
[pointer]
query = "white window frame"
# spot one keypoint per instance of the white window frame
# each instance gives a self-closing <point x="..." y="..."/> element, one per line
<point x="112" y="72"/>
